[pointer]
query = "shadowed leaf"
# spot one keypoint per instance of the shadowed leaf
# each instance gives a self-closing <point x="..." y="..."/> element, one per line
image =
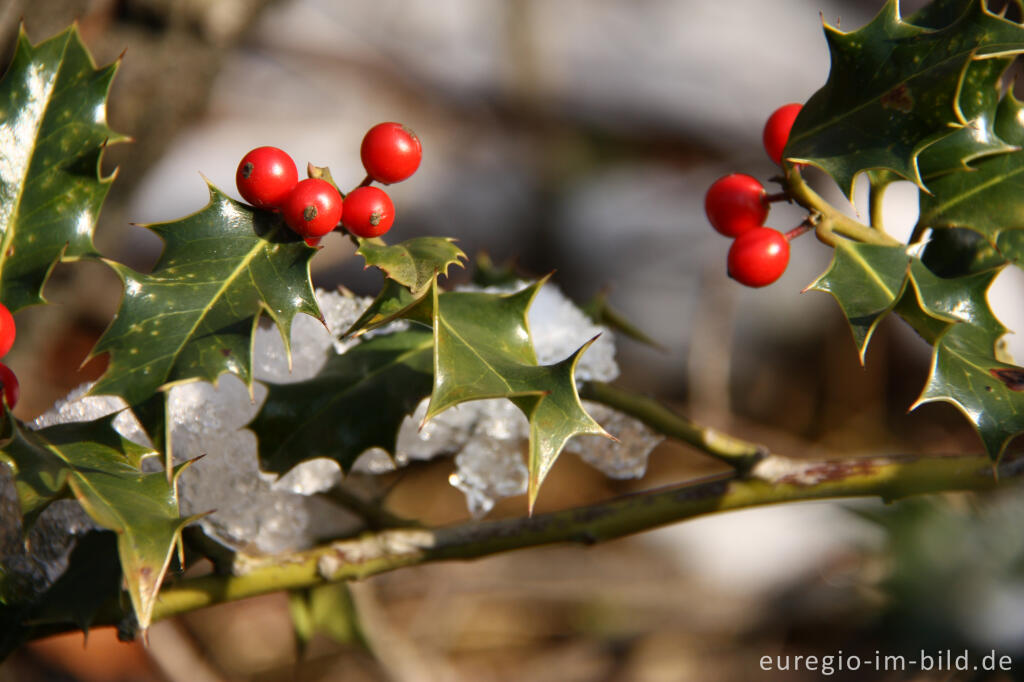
<point x="356" y="402"/>
<point x="94" y="464"/>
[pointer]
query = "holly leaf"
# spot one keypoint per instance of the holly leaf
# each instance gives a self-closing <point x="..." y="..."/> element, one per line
<point x="979" y="100"/>
<point x="53" y="130"/>
<point x="483" y="349"/>
<point x="894" y="89"/>
<point x="194" y="315"/>
<point x="979" y="97"/>
<point x="952" y="314"/>
<point x="990" y="393"/>
<point x="414" y="263"/>
<point x="866" y="280"/>
<point x="393" y="302"/>
<point x="93" y="463"/>
<point x="356" y="402"/>
<point x="955" y="252"/>
<point x="989" y="197"/>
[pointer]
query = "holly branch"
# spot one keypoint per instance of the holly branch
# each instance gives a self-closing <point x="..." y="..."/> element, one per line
<point x="760" y="477"/>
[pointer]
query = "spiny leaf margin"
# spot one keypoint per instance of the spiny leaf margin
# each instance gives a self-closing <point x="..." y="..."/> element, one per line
<point x="53" y="132"/>
<point x="222" y="267"/>
<point x="872" y="113"/>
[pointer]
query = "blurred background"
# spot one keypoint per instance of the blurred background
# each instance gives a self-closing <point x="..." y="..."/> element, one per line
<point x="577" y="136"/>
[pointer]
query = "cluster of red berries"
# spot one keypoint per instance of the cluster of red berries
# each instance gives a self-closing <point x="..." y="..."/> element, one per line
<point x="267" y="178"/>
<point x="737" y="206"/>
<point x="8" y="381"/>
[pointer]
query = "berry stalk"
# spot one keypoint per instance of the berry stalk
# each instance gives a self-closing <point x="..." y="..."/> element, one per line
<point x="827" y="220"/>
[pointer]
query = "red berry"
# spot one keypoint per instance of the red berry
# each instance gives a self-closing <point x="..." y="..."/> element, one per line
<point x="368" y="212"/>
<point x="390" y="152"/>
<point x="735" y="204"/>
<point x="313" y="208"/>
<point x="758" y="257"/>
<point x="9" y="382"/>
<point x="265" y="176"/>
<point x="776" y="130"/>
<point x="7" y="330"/>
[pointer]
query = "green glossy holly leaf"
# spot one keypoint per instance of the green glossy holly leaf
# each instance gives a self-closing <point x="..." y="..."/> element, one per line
<point x="194" y="315"/>
<point x="393" y="302"/>
<point x="989" y="197"/>
<point x="961" y="299"/>
<point x="990" y="393"/>
<point x="866" y="280"/>
<point x="53" y="130"/>
<point x="966" y="370"/>
<point x="939" y="13"/>
<point x="356" y="402"/>
<point x="94" y="464"/>
<point x="979" y="97"/>
<point x="894" y="89"/>
<point x="952" y="314"/>
<point x="483" y="349"/>
<point x="1010" y="245"/>
<point x="414" y="263"/>
<point x="979" y="100"/>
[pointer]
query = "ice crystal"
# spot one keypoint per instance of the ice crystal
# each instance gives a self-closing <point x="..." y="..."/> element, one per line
<point x="487" y="470"/>
<point x="622" y="458"/>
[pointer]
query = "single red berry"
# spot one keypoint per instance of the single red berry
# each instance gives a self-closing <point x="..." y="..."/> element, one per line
<point x="776" y="130"/>
<point x="313" y="208"/>
<point x="9" y="382"/>
<point x="265" y="176"/>
<point x="368" y="212"/>
<point x="7" y="330"/>
<point x="390" y="152"/>
<point x="758" y="257"/>
<point x="736" y="203"/>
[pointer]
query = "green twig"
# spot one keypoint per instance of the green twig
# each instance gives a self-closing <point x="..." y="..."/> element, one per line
<point x="828" y="220"/>
<point x="876" y="193"/>
<point x="739" y="454"/>
<point x="775" y="479"/>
